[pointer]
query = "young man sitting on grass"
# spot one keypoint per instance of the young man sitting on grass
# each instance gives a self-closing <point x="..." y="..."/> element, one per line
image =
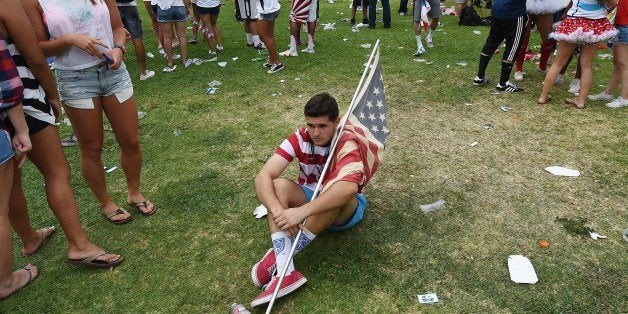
<point x="340" y="205"/>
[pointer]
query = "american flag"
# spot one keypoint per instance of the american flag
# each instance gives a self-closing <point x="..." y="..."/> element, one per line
<point x="362" y="142"/>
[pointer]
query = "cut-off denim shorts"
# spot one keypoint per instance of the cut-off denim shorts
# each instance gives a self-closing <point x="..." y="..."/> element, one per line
<point x="622" y="36"/>
<point x="96" y="81"/>
<point x="6" y="150"/>
<point x="174" y="14"/>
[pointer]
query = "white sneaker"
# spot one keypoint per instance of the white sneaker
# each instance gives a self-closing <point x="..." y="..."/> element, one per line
<point x="618" y="103"/>
<point x="308" y="50"/>
<point x="419" y="51"/>
<point x="519" y="76"/>
<point x="574" y="87"/>
<point x="429" y="42"/>
<point x="289" y="53"/>
<point x="148" y="75"/>
<point x="601" y="96"/>
<point x="168" y="69"/>
<point x="188" y="63"/>
<point x="220" y="48"/>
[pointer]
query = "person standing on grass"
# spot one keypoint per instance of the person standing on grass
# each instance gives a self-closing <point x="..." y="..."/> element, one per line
<point x="133" y="24"/>
<point x="620" y="61"/>
<point x="509" y="20"/>
<point x="364" y="4"/>
<point x="42" y="108"/>
<point x="339" y="207"/>
<point x="586" y="24"/>
<point x="208" y="11"/>
<point x="434" y="13"/>
<point x="246" y="11"/>
<point x="268" y="11"/>
<point x="175" y="12"/>
<point x="302" y="12"/>
<point x="11" y="94"/>
<point x="89" y="85"/>
<point x="541" y="14"/>
<point x="385" y="13"/>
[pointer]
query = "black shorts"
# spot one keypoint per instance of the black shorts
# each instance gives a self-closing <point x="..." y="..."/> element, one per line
<point x="131" y="20"/>
<point x="203" y="10"/>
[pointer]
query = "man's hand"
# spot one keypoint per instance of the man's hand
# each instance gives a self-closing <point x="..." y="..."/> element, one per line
<point x="290" y="219"/>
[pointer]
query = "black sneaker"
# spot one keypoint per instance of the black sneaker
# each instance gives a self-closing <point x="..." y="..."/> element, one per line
<point x="275" y="68"/>
<point x="508" y="88"/>
<point x="352" y="22"/>
<point x="477" y="81"/>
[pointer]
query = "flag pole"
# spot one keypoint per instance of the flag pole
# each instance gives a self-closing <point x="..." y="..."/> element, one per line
<point x="335" y="140"/>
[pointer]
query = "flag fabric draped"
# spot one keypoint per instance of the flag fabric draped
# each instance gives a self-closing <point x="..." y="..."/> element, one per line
<point x="361" y="145"/>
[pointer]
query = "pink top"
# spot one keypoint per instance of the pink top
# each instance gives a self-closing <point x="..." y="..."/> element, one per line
<point x="64" y="17"/>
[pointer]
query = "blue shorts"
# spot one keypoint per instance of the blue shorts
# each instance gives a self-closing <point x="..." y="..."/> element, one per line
<point x="92" y="82"/>
<point x="6" y="150"/>
<point x="204" y="10"/>
<point x="174" y="14"/>
<point x="622" y="36"/>
<point x="357" y="216"/>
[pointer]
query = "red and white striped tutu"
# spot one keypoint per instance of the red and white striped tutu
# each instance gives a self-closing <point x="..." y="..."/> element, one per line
<point x="580" y="30"/>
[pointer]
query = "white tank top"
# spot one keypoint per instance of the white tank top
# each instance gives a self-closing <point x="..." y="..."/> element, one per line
<point x="64" y="17"/>
<point x="208" y="3"/>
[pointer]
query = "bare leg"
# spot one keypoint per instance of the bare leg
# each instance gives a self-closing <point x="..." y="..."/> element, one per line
<point x="87" y="124"/>
<point x="183" y="43"/>
<point x="140" y="53"/>
<point x="213" y="18"/>
<point x="166" y="31"/>
<point x="622" y="63"/>
<point x="153" y="21"/>
<point x="586" y="78"/>
<point x="564" y="51"/>
<point x="267" y="32"/>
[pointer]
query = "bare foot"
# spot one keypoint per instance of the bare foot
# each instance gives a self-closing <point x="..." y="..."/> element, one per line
<point x="19" y="279"/>
<point x="43" y="234"/>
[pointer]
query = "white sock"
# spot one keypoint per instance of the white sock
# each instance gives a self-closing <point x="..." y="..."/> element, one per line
<point x="310" y="41"/>
<point x="430" y="34"/>
<point x="256" y="40"/>
<point x="293" y="43"/>
<point x="282" y="245"/>
<point x="419" y="44"/>
<point x="305" y="239"/>
<point x="249" y="38"/>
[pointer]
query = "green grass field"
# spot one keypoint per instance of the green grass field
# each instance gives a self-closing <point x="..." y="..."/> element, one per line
<point x="195" y="255"/>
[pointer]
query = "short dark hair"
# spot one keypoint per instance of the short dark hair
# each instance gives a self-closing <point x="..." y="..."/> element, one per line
<point x="320" y="105"/>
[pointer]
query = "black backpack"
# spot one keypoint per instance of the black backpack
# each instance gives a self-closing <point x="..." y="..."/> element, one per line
<point x="469" y="17"/>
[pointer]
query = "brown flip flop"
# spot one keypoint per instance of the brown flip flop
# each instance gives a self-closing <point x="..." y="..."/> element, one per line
<point x="29" y="281"/>
<point x="119" y="211"/>
<point x="144" y="204"/>
<point x="92" y="261"/>
<point x="44" y="239"/>
<point x="572" y="103"/>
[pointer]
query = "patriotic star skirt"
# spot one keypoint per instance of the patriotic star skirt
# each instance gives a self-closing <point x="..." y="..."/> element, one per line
<point x="580" y="30"/>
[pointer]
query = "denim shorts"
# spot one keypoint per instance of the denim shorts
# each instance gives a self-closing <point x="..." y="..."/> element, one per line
<point x="174" y="14"/>
<point x="131" y="21"/>
<point x="357" y="216"/>
<point x="6" y="150"/>
<point x="622" y="36"/>
<point x="92" y="82"/>
<point x="204" y="10"/>
<point x="270" y="16"/>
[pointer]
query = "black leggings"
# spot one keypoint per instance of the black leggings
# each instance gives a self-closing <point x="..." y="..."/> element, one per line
<point x="510" y="30"/>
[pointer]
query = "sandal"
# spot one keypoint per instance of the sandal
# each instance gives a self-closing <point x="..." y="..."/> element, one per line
<point x="572" y="102"/>
<point x="144" y="204"/>
<point x="31" y="278"/>
<point x="92" y="261"/>
<point x="44" y="238"/>
<point x="119" y="211"/>
<point x="548" y="99"/>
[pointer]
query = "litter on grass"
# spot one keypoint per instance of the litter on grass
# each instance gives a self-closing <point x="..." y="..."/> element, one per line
<point x="505" y="108"/>
<point x="604" y="56"/>
<point x="624" y="234"/>
<point x="222" y="64"/>
<point x="141" y="114"/>
<point x="329" y="26"/>
<point x="66" y="121"/>
<point x="260" y="211"/>
<point x="474" y="144"/>
<point x="239" y="309"/>
<point x="234" y="58"/>
<point x="367" y="46"/>
<point x="521" y="270"/>
<point x="197" y="61"/>
<point x="258" y="59"/>
<point x="438" y="205"/>
<point x="150" y="54"/>
<point x="477" y="32"/>
<point x="462" y="64"/>
<point x="110" y="170"/>
<point x="427" y="298"/>
<point x="214" y="83"/>
<point x="488" y="126"/>
<point x="596" y="236"/>
<point x="562" y="171"/>
<point x="420" y="60"/>
<point x="177" y="133"/>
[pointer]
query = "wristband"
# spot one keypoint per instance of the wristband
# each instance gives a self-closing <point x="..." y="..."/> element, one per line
<point x="121" y="47"/>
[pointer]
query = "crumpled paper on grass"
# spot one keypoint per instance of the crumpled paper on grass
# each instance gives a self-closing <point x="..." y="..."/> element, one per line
<point x="260" y="211"/>
<point x="562" y="171"/>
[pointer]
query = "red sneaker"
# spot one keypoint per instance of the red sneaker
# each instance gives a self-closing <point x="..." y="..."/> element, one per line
<point x="263" y="271"/>
<point x="288" y="284"/>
